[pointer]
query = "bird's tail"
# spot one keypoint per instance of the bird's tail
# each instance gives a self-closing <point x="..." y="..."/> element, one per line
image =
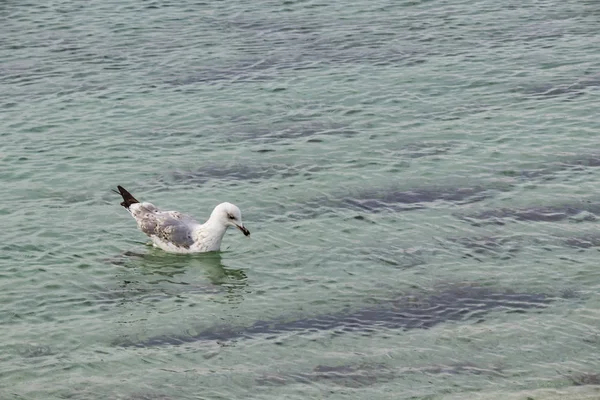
<point x="128" y="199"/>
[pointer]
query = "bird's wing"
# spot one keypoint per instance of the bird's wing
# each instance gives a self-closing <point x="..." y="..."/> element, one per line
<point x="169" y="226"/>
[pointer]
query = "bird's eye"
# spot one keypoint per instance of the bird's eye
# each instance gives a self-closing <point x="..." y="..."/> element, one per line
<point x="230" y="216"/>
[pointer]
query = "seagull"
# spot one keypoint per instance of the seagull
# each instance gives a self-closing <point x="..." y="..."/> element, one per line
<point x="175" y="232"/>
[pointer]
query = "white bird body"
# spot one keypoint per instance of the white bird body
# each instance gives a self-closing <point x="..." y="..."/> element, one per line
<point x="175" y="232"/>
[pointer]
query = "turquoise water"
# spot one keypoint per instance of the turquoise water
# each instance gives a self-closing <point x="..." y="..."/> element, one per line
<point x="420" y="180"/>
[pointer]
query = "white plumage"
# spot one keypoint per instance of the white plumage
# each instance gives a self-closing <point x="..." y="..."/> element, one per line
<point x="175" y="232"/>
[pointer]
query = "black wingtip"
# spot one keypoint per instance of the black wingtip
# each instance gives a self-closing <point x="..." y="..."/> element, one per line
<point x="128" y="199"/>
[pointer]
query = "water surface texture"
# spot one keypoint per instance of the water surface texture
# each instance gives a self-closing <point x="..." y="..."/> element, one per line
<point x="420" y="179"/>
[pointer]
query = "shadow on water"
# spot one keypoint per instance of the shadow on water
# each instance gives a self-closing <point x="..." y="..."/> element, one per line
<point x="451" y="303"/>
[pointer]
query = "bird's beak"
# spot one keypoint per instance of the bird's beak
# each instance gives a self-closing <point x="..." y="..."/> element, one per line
<point x="242" y="228"/>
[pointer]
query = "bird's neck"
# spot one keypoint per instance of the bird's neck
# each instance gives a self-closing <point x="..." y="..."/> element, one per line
<point x="209" y="235"/>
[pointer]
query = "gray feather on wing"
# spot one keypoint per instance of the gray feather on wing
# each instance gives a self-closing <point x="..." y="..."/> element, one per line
<point x="175" y="232"/>
<point x="169" y="226"/>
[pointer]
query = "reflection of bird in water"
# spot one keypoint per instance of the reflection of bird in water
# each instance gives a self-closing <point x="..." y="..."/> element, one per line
<point x="219" y="274"/>
<point x="166" y="267"/>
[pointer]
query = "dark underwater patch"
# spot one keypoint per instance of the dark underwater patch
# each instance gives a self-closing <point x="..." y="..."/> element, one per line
<point x="554" y="213"/>
<point x="311" y="53"/>
<point x="506" y="247"/>
<point x="376" y="198"/>
<point x="393" y="200"/>
<point x="584" y="379"/>
<point x="252" y="70"/>
<point x="492" y="246"/>
<point x="403" y="259"/>
<point x="343" y="375"/>
<point x="451" y="304"/>
<point x="237" y="172"/>
<point x="582" y="160"/>
<point x="366" y="374"/>
<point x="577" y="163"/>
<point x="550" y="90"/>
<point x="582" y="242"/>
<point x="149" y="396"/>
<point x="293" y="129"/>
<point x="34" y="351"/>
<point x="426" y="149"/>
<point x="400" y="199"/>
<point x="381" y="200"/>
<point x="534" y="214"/>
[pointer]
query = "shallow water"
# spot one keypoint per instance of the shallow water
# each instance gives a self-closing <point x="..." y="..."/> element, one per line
<point x="420" y="180"/>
